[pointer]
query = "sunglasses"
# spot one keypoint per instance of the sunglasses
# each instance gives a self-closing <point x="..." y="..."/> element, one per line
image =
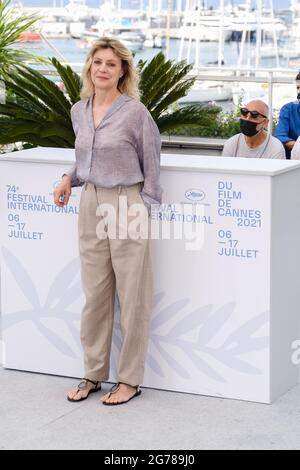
<point x="253" y="114"/>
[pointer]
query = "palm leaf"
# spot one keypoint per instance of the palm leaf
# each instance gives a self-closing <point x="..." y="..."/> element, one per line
<point x="11" y="27"/>
<point x="48" y="130"/>
<point x="37" y="111"/>
<point x="70" y="79"/>
<point x="35" y="140"/>
<point x="45" y="89"/>
<point x="172" y="97"/>
<point x="163" y="82"/>
<point x="17" y="112"/>
<point x="191" y="116"/>
<point x="162" y="76"/>
<point x="151" y="77"/>
<point x="170" y="80"/>
<point x="21" y="92"/>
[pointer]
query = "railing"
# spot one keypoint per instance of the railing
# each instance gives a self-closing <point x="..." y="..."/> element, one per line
<point x="270" y="77"/>
<point x="192" y="145"/>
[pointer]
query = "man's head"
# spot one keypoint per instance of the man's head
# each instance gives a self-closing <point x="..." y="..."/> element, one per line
<point x="298" y="86"/>
<point x="254" y="118"/>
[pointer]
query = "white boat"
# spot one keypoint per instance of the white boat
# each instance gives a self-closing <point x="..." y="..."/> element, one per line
<point x="155" y="41"/>
<point x="294" y="32"/>
<point x="287" y="52"/>
<point x="203" y="24"/>
<point x="208" y="92"/>
<point x="76" y="29"/>
<point x="77" y="10"/>
<point x="268" y="51"/>
<point x="126" y="25"/>
<point x="268" y="24"/>
<point x="248" y="91"/>
<point x="53" y="29"/>
<point x="282" y="94"/>
<point x="134" y="40"/>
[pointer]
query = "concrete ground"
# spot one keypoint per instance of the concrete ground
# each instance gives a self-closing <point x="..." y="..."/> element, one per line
<point x="34" y="414"/>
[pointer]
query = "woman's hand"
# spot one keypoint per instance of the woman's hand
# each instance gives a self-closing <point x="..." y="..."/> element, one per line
<point x="63" y="192"/>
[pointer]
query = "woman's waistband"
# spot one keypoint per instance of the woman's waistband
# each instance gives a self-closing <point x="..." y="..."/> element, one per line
<point x="117" y="188"/>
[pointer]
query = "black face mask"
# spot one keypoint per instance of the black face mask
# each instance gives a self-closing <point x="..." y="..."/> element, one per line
<point x="248" y="128"/>
<point x="298" y="97"/>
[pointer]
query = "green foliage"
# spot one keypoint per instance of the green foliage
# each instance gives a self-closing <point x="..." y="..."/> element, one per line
<point x="12" y="25"/>
<point x="163" y="83"/>
<point x="36" y="111"/>
<point x="275" y="121"/>
<point x="224" y="126"/>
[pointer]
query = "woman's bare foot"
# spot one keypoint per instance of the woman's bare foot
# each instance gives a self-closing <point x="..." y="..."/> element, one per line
<point x="83" y="390"/>
<point x="120" y="393"/>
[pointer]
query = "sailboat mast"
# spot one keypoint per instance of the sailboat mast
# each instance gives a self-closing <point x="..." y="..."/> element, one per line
<point x="244" y="35"/>
<point x="221" y="34"/>
<point x="259" y="9"/>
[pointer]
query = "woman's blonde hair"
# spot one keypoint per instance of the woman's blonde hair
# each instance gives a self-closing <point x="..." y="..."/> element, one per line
<point x="128" y="83"/>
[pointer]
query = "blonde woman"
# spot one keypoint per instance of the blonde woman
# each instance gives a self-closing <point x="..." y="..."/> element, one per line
<point x="117" y="159"/>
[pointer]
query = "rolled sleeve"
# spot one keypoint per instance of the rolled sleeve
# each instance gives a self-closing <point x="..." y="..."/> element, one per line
<point x="73" y="175"/>
<point x="149" y="155"/>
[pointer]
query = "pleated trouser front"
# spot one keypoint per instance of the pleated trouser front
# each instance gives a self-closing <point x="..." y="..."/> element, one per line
<point x="110" y="265"/>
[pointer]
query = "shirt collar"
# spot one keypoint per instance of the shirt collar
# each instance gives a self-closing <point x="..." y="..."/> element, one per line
<point x="116" y="105"/>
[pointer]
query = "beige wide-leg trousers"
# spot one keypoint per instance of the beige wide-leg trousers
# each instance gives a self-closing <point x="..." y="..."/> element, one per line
<point x="108" y="265"/>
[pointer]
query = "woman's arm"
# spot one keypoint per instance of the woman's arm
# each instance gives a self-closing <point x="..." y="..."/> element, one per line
<point x="63" y="192"/>
<point x="72" y="173"/>
<point x="149" y="155"/>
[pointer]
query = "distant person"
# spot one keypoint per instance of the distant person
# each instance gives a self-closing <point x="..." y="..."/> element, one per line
<point x="295" y="153"/>
<point x="254" y="141"/>
<point x="288" y="129"/>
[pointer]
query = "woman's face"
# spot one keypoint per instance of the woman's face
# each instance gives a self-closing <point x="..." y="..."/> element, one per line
<point x="106" y="69"/>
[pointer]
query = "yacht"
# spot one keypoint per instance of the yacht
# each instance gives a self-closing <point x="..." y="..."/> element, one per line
<point x="207" y="92"/>
<point x="126" y="25"/>
<point x="204" y="24"/>
<point x="155" y="41"/>
<point x="240" y="20"/>
<point x="294" y="32"/>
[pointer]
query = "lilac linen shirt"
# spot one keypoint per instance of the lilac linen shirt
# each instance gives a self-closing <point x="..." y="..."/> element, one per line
<point x="123" y="150"/>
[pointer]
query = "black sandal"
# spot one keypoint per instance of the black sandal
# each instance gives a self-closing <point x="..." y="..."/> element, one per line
<point x="82" y="386"/>
<point x="115" y="388"/>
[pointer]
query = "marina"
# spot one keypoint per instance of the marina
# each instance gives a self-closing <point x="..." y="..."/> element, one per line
<point x="208" y="331"/>
<point x="250" y="38"/>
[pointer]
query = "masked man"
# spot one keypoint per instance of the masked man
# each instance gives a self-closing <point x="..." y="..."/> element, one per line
<point x="254" y="141"/>
<point x="288" y="129"/>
